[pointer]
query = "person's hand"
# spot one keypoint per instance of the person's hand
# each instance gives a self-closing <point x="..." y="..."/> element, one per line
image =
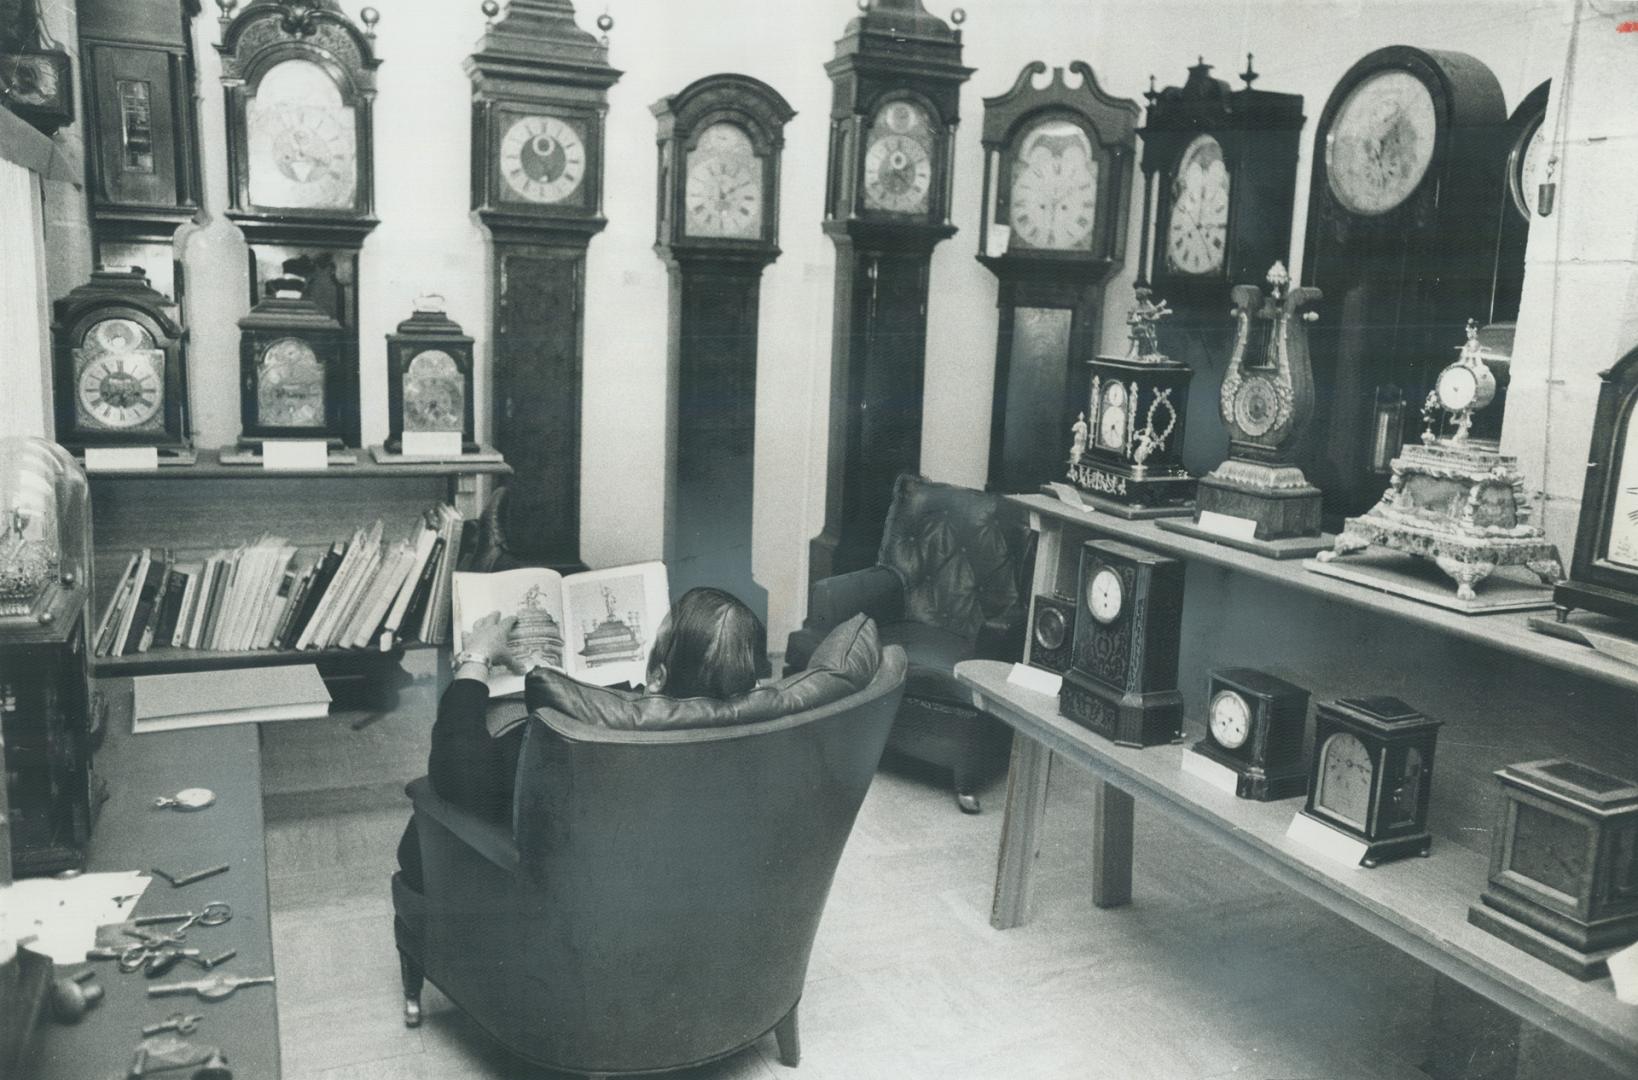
<point x="490" y="636"/>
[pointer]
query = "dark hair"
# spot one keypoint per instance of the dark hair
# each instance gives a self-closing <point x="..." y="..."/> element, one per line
<point x="712" y="645"/>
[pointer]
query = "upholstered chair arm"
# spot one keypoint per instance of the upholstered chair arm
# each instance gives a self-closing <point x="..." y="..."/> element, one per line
<point x="492" y="841"/>
<point x="877" y="592"/>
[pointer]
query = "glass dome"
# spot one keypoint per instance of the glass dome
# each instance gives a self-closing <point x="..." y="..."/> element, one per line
<point x="45" y="530"/>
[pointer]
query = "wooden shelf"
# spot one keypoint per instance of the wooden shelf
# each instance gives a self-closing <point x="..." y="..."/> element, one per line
<point x="209" y="467"/>
<point x="159" y="661"/>
<point x="1508" y="632"/>
<point x="1418" y="905"/>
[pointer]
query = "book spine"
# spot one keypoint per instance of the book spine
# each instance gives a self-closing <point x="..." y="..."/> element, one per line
<point x="298" y="597"/>
<point x="122" y="629"/>
<point x="411" y="623"/>
<point x="338" y="581"/>
<point x="224" y="581"/>
<point x="135" y="640"/>
<point x="201" y="593"/>
<point x="170" y="606"/>
<point x="406" y="592"/>
<point x="345" y="612"/>
<point x="273" y="612"/>
<point x="275" y="592"/>
<point x="179" y="632"/>
<point x="316" y="587"/>
<point x="116" y="608"/>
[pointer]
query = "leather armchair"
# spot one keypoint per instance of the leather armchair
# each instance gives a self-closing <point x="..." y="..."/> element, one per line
<point x="654" y="903"/>
<point x="951" y="583"/>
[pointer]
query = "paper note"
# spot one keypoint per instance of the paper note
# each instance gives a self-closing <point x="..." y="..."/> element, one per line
<point x="1235" y="528"/>
<point x="1033" y="678"/>
<point x="1624" y="973"/>
<point x="295" y="454"/>
<point x="1069" y="496"/>
<point x="63" y="916"/>
<point x="439" y="444"/>
<point x="120" y="458"/>
<point x="1319" y="837"/>
<point x="1214" y="773"/>
<point x="999" y="240"/>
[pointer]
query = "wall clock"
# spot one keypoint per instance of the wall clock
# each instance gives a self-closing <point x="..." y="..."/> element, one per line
<point x="297" y="377"/>
<point x="429" y="381"/>
<point x="1563" y="865"/>
<point x="1254" y="726"/>
<point x="1530" y="148"/>
<point x="896" y="81"/>
<point x="121" y="365"/>
<point x="1122" y="677"/>
<point x="36" y="74"/>
<point x="1604" y="570"/>
<point x="720" y="139"/>
<point x="1057" y="185"/>
<point x="1051" y="632"/>
<point x="1371" y="775"/>
<point x="539" y="93"/>
<point x="1402" y="234"/>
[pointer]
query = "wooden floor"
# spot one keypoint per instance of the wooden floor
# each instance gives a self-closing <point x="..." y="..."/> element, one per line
<point x="1213" y="971"/>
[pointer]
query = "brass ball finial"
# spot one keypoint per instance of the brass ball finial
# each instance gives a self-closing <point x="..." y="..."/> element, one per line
<point x="958" y="16"/>
<point x="227" y="7"/>
<point x="490" y="9"/>
<point x="863" y="5"/>
<point x="369" y="17"/>
<point x="605" y="22"/>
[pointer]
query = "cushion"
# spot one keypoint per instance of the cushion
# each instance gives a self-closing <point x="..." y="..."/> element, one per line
<point x="844" y="663"/>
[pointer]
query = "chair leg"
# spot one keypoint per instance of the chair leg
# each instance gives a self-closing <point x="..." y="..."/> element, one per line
<point x="790" y="1043"/>
<point x="413" y="978"/>
<point x="966" y="788"/>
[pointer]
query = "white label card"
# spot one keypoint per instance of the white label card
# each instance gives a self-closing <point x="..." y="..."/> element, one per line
<point x="120" y="458"/>
<point x="1033" y="678"/>
<point x="439" y="444"/>
<point x="1624" y="973"/>
<point x="1000" y="237"/>
<point x="1235" y="528"/>
<point x="1069" y="496"/>
<point x="295" y="454"/>
<point x="1218" y="775"/>
<point x="1320" y="837"/>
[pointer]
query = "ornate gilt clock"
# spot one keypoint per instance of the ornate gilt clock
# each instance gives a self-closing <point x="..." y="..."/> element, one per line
<point x="1372" y="774"/>
<point x="539" y="93"/>
<point x="121" y="360"/>
<point x="896" y="81"/>
<point x="720" y="140"/>
<point x="297" y="376"/>
<point x="1254" y="726"/>
<point x="1402" y="231"/>
<point x="1122" y="677"/>
<point x="429" y="378"/>
<point x="1604" y="570"/>
<point x="1057" y="185"/>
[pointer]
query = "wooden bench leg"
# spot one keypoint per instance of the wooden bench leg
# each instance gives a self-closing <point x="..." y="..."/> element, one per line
<point x="1111" y="845"/>
<point x="1020" y="832"/>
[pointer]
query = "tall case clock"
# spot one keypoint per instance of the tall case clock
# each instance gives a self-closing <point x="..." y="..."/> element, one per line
<point x="719" y="144"/>
<point x="896" y="81"/>
<point x="539" y="93"/>
<point x="1057" y="185"/>
<point x="1402" y="234"/>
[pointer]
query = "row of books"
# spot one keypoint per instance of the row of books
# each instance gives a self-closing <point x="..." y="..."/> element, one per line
<point x="364" y="592"/>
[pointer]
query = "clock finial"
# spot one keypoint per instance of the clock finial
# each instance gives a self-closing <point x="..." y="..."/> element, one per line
<point x="1152" y="94"/>
<point x="226" y="7"/>
<point x="369" y="17"/>
<point x="958" y="16"/>
<point x="1249" y="74"/>
<point x="490" y="9"/>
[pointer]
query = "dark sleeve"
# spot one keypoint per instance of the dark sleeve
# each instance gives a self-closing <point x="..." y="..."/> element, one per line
<point x="466" y="766"/>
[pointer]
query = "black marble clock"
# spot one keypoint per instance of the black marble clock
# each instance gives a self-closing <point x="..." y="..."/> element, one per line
<point x="1051" y="632"/>
<point x="1254" y="725"/>
<point x="1372" y="773"/>
<point x="1122" y="677"/>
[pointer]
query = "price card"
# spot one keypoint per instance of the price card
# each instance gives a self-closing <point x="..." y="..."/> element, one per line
<point x="121" y="458"/>
<point x="1069" y="496"/>
<point x="998" y="240"/>
<point x="295" y="454"/>
<point x="1033" y="678"/>
<point x="1235" y="528"/>
<point x="1624" y="973"/>
<point x="438" y="444"/>
<point x="1217" y="775"/>
<point x="1319" y="837"/>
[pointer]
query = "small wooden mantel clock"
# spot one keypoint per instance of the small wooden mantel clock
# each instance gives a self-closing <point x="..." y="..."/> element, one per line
<point x="1057" y="185"/>
<point x="896" y="81"/>
<point x="539" y="92"/>
<point x="1604" y="570"/>
<point x="719" y="144"/>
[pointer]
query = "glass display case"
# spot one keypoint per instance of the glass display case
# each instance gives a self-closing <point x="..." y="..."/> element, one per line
<point x="45" y="698"/>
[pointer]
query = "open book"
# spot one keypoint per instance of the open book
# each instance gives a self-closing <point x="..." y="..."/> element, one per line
<point x="597" y="626"/>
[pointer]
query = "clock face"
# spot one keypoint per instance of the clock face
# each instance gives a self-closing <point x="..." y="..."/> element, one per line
<point x="1550" y="850"/>
<point x="1105" y="595"/>
<point x="289" y="385"/>
<point x="119" y="378"/>
<point x="1343" y="783"/>
<point x="1457" y="388"/>
<point x="1622" y="548"/>
<point x="29" y="80"/>
<point x="302" y="140"/>
<point x="1054" y="198"/>
<point x="1112" y="419"/>
<point x="898" y="163"/>
<point x="542" y="158"/>
<point x="1257" y="406"/>
<point x="1051" y="628"/>
<point x="1197" y="235"/>
<point x="434" y="393"/>
<point x="1381" y="143"/>
<point x="1530" y="168"/>
<point x="1229" y="717"/>
<point x="723" y="197"/>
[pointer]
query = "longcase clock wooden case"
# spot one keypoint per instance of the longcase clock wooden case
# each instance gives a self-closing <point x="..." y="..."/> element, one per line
<point x="718" y="225"/>
<point x="539" y="93"/>
<point x="1057" y="185"/>
<point x="896" y="81"/>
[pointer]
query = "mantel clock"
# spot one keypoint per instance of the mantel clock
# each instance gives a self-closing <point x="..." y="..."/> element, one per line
<point x="720" y="140"/>
<point x="1402" y="229"/>
<point x="36" y="74"/>
<point x="896" y="81"/>
<point x="297" y="376"/>
<point x="1604" y="570"/>
<point x="1371" y="775"/>
<point x="539" y="93"/>
<point x="1057" y="185"/>
<point x="429" y="378"/>
<point x="1254" y="726"/>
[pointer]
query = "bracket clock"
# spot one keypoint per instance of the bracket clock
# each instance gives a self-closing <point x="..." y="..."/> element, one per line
<point x="1604" y="570"/>
<point x="1402" y="230"/>
<point x="720" y="140"/>
<point x="429" y="380"/>
<point x="1057" y="186"/>
<point x="298" y="378"/>
<point x="896" y="81"/>
<point x="121" y="366"/>
<point x="1254" y="726"/>
<point x="539" y="93"/>
<point x="1122" y="677"/>
<point x="36" y="73"/>
<point x="1372" y="774"/>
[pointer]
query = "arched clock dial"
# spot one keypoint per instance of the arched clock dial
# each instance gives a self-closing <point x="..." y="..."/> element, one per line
<point x="723" y="195"/>
<point x="542" y="159"/>
<point x="1381" y="143"/>
<point x="1054" y="198"/>
<point x="898" y="165"/>
<point x="1622" y="548"/>
<point x="1197" y="235"/>
<point x="302" y="139"/>
<point x="1344" y="780"/>
<point x="121" y="377"/>
<point x="290" y="385"/>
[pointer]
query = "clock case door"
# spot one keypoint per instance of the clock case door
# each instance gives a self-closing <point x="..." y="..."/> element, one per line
<point x="1596" y="583"/>
<point x="1398" y="286"/>
<point x="1050" y="302"/>
<point x="1270" y="762"/>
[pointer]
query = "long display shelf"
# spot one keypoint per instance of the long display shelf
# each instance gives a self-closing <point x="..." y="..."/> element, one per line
<point x="1509" y="632"/>
<point x="208" y="466"/>
<point x="158" y="661"/>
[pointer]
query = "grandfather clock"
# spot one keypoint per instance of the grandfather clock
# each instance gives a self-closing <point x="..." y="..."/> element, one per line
<point x="539" y="93"/>
<point x="719" y="145"/>
<point x="896" y="82"/>
<point x="1057" y="185"/>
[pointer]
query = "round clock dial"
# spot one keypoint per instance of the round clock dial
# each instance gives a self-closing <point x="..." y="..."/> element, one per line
<point x="29" y="80"/>
<point x="1257" y="407"/>
<point x="542" y="158"/>
<point x="1381" y="143"/>
<point x="1529" y="169"/>
<point x="290" y="385"/>
<point x="723" y="196"/>
<point x="302" y="140"/>
<point x="1197" y="235"/>
<point x="1457" y="388"/>
<point x="434" y="393"/>
<point x="1050" y="628"/>
<point x="1054" y="199"/>
<point x="1105" y="595"/>
<point x="898" y="165"/>
<point x="120" y="385"/>
<point x="1622" y="548"/>
<point x="1343" y="788"/>
<point x="1229" y="717"/>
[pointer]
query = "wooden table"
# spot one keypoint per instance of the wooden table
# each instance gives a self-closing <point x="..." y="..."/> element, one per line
<point x="131" y="835"/>
<point x="1418" y="905"/>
